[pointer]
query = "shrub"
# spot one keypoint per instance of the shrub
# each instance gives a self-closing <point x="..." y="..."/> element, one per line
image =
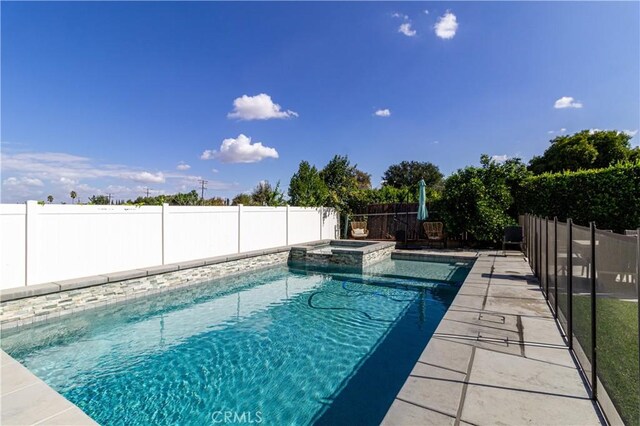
<point x="610" y="196"/>
<point x="477" y="200"/>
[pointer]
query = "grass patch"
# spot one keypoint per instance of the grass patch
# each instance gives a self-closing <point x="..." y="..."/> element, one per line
<point x="617" y="349"/>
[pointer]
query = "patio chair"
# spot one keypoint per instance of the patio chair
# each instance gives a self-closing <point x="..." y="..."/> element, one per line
<point x="435" y="232"/>
<point x="512" y="235"/>
<point x="359" y="230"/>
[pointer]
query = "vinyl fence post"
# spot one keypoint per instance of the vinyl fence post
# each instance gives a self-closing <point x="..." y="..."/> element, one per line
<point x="569" y="283"/>
<point x="239" y="228"/>
<point x="286" y="231"/>
<point x="30" y="241"/>
<point x="321" y="220"/>
<point x="594" y="360"/>
<point x="165" y="213"/>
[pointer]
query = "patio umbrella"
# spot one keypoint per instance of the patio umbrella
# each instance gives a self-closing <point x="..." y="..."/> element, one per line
<point x="423" y="214"/>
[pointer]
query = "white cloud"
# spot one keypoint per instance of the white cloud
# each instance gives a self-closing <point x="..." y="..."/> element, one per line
<point x="259" y="107"/>
<point x="446" y="26"/>
<point x="208" y="154"/>
<point x="567" y="102"/>
<point x="631" y="133"/>
<point x="426" y="12"/>
<point x="240" y="150"/>
<point x="145" y="177"/>
<point x="500" y="158"/>
<point x="183" y="166"/>
<point x="400" y="15"/>
<point x="22" y="181"/>
<point x="435" y="142"/>
<point x="37" y="174"/>
<point x="551" y="132"/>
<point x="563" y="130"/>
<point x="215" y="170"/>
<point x="406" y="29"/>
<point x="383" y="112"/>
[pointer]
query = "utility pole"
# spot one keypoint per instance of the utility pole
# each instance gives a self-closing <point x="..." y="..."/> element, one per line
<point x="147" y="189"/>
<point x="203" y="186"/>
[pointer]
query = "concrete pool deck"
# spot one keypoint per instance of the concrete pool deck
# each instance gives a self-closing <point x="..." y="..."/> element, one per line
<point x="497" y="357"/>
<point x="27" y="400"/>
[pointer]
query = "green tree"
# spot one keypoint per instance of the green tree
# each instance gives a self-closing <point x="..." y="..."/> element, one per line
<point x="185" y="199"/>
<point x="584" y="150"/>
<point x="99" y="199"/>
<point x="50" y="199"/>
<point x="340" y="178"/>
<point x="477" y="200"/>
<point x="264" y="194"/>
<point x="215" y="201"/>
<point x="363" y="179"/>
<point x="244" y="199"/>
<point x="73" y="195"/>
<point x="306" y="188"/>
<point x="409" y="173"/>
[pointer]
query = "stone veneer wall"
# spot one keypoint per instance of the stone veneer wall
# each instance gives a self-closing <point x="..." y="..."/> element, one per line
<point x="17" y="313"/>
<point x="357" y="256"/>
<point x="378" y="255"/>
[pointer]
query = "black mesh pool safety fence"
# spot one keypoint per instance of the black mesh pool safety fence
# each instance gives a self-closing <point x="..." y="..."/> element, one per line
<point x="590" y="279"/>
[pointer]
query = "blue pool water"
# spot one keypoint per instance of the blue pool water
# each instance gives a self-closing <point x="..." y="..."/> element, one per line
<point x="273" y="347"/>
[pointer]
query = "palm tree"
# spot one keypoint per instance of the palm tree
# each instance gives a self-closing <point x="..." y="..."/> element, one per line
<point x="50" y="199"/>
<point x="73" y="196"/>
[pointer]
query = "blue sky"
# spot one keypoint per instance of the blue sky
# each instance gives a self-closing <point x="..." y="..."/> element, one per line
<point x="114" y="97"/>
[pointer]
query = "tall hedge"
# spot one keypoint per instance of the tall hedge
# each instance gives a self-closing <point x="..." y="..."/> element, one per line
<point x="610" y="197"/>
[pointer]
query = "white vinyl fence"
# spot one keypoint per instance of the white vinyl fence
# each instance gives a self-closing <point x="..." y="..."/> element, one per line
<point x="45" y="243"/>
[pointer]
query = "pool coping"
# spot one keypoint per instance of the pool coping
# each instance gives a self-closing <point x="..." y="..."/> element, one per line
<point x="27" y="400"/>
<point x="496" y="357"/>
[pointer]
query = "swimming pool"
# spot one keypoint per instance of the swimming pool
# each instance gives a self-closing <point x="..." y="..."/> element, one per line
<point x="276" y="347"/>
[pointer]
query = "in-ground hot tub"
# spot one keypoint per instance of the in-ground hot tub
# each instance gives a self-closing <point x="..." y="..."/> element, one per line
<point x="345" y="253"/>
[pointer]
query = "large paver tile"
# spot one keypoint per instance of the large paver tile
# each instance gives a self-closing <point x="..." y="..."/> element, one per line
<point x="446" y="354"/>
<point x="5" y="358"/>
<point x="72" y="417"/>
<point x="516" y="306"/>
<point x="403" y="413"/>
<point x="516" y="372"/>
<point x="31" y="404"/>
<point x="541" y="330"/>
<point x="14" y="376"/>
<point x="468" y="302"/>
<point x="511" y="291"/>
<point x="556" y="356"/>
<point x="494" y="406"/>
<point x="434" y="388"/>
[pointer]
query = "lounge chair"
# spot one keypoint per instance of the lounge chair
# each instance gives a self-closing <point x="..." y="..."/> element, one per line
<point x="435" y="232"/>
<point x="359" y="230"/>
<point x="512" y="235"/>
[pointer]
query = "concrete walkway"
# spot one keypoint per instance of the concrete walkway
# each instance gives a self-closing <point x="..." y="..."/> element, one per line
<point x="497" y="357"/>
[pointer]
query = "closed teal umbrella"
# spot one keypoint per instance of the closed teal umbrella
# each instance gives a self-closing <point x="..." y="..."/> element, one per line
<point x="423" y="214"/>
